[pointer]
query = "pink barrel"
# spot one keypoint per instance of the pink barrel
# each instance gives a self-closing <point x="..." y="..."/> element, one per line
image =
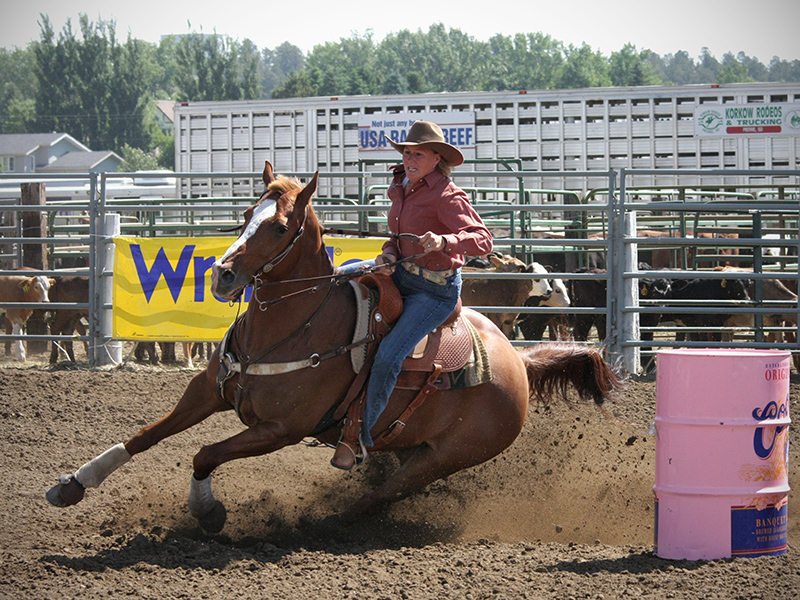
<point x="722" y="453"/>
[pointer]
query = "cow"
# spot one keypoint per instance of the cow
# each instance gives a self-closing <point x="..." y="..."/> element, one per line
<point x="588" y="293"/>
<point x="705" y="289"/>
<point x="22" y="288"/>
<point x="65" y="321"/>
<point x="168" y="356"/>
<point x="593" y="293"/>
<point x="772" y="289"/>
<point x="533" y="325"/>
<point x="504" y="292"/>
<point x="146" y="351"/>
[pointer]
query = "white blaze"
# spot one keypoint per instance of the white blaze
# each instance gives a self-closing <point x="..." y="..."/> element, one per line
<point x="264" y="211"/>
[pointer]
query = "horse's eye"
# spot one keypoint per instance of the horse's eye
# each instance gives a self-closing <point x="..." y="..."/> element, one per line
<point x="281" y="229"/>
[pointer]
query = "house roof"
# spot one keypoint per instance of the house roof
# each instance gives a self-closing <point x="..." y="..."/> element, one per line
<point x="79" y="161"/>
<point x="168" y="108"/>
<point x="26" y="143"/>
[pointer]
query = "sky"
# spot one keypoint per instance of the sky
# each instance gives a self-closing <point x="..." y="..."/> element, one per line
<point x="760" y="29"/>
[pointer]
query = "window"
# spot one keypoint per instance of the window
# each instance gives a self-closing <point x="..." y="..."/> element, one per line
<point x="6" y="164"/>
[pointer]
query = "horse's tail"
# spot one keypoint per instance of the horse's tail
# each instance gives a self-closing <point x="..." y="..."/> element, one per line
<point x="552" y="367"/>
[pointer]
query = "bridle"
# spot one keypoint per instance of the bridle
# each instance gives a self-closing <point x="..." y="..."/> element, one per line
<point x="269" y="265"/>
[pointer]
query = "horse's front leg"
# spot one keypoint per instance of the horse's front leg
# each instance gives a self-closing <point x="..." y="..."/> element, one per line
<point x="198" y="402"/>
<point x="257" y="440"/>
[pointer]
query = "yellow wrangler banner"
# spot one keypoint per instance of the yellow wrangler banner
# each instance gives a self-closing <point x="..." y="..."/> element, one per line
<point x="162" y="286"/>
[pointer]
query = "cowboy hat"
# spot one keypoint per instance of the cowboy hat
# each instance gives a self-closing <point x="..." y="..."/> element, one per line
<point x="425" y="133"/>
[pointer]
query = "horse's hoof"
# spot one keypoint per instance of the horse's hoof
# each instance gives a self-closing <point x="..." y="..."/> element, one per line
<point x="67" y="492"/>
<point x="214" y="520"/>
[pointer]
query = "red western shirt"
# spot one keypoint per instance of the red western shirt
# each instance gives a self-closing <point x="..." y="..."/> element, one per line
<point x="438" y="205"/>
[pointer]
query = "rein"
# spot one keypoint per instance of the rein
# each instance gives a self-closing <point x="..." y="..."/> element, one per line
<point x="395" y="236"/>
<point x="331" y="281"/>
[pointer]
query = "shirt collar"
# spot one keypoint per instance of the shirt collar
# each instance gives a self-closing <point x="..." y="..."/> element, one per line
<point x="431" y="179"/>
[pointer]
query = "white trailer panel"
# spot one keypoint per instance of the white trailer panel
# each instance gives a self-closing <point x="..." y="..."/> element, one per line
<point x="552" y="130"/>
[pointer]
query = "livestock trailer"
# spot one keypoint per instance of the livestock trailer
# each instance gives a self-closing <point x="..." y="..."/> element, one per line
<point x="736" y="126"/>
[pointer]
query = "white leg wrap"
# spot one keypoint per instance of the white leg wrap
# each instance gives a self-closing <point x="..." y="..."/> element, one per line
<point x="201" y="499"/>
<point x="96" y="470"/>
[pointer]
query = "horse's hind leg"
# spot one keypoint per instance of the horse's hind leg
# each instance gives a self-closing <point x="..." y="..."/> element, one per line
<point x="198" y="402"/>
<point x="430" y="462"/>
<point x="422" y="467"/>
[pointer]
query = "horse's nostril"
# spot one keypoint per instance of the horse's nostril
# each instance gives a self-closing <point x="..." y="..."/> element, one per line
<point x="226" y="277"/>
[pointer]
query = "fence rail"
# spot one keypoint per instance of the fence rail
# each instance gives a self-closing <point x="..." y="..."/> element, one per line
<point x="614" y="227"/>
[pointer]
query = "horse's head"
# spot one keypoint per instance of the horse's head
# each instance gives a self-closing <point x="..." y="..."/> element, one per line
<point x="271" y="228"/>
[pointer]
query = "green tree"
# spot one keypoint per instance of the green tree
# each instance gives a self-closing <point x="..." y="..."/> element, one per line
<point x="756" y="70"/>
<point x="20" y="115"/>
<point x="131" y="98"/>
<point x="679" y="68"/>
<point x="732" y="71"/>
<point x="165" y="60"/>
<point x="297" y="85"/>
<point x="394" y="84"/>
<point x="402" y="53"/>
<point x="453" y="61"/>
<point x="215" y="67"/>
<point x="102" y="90"/>
<point x="17" y="90"/>
<point x="783" y="70"/>
<point x="628" y="67"/>
<point x="136" y="159"/>
<point x="344" y="68"/>
<point x="708" y="69"/>
<point x="276" y="65"/>
<point x="531" y="61"/>
<point x="584" y="68"/>
<point x="164" y="150"/>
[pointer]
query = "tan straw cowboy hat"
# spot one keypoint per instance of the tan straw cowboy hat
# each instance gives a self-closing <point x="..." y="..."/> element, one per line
<point x="425" y="133"/>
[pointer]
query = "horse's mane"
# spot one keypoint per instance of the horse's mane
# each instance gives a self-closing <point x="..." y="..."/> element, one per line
<point x="283" y="184"/>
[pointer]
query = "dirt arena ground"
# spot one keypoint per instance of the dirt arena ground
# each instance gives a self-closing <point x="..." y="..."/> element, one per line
<point x="565" y="513"/>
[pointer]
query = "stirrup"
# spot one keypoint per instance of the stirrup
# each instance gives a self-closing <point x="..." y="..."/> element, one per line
<point x="345" y="451"/>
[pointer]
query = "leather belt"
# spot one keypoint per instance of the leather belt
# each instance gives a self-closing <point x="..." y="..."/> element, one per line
<point x="437" y="277"/>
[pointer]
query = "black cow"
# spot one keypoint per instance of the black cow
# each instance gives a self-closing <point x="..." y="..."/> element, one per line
<point x="65" y="321"/>
<point x="593" y="293"/>
<point x="705" y="289"/>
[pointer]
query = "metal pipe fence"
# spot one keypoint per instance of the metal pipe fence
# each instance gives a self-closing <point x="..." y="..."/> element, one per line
<point x="612" y="227"/>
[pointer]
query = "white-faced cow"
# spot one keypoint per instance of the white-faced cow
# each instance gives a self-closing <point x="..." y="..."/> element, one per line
<point x="505" y="292"/>
<point x="533" y="325"/>
<point x="21" y="288"/>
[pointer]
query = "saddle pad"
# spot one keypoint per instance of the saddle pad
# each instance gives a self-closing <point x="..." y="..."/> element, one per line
<point x="449" y="346"/>
<point x="365" y="302"/>
<point x="475" y="372"/>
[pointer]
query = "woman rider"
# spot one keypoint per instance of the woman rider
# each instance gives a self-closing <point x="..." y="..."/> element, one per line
<point x="426" y="203"/>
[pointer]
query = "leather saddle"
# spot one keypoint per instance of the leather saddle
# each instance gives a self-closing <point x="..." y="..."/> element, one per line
<point x="444" y="350"/>
<point x="449" y="345"/>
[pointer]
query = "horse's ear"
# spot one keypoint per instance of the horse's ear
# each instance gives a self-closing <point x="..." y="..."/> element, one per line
<point x="305" y="195"/>
<point x="268" y="176"/>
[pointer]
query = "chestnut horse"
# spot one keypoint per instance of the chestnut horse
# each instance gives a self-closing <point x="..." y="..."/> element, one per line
<point x="305" y="336"/>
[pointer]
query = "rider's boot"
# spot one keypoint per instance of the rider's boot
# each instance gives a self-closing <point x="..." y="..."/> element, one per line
<point x="350" y="451"/>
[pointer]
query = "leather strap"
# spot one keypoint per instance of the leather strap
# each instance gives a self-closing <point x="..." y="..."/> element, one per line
<point x="380" y="329"/>
<point x="397" y="427"/>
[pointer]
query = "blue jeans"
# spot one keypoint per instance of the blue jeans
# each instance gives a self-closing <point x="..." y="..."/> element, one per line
<point x="425" y="307"/>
